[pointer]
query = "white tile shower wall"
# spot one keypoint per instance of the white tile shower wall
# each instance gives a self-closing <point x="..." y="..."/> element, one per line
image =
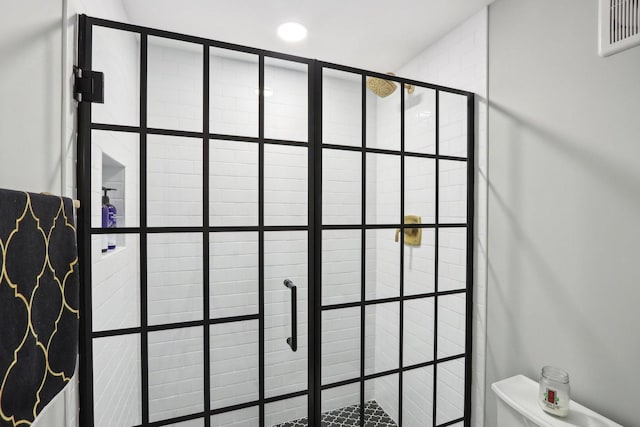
<point x="174" y="277"/>
<point x="234" y="363"/>
<point x="176" y="366"/>
<point x="449" y="391"/>
<point x="286" y="109"/>
<point x="241" y="418"/>
<point x="233" y="274"/>
<point x="341" y="108"/>
<point x="234" y="93"/>
<point x="174" y="79"/>
<point x="234" y="202"/>
<point x="117" y="381"/>
<point x="233" y="183"/>
<point x="458" y="60"/>
<point x="115" y="293"/>
<point x="174" y="181"/>
<point x="340" y="345"/>
<point x="417" y="396"/>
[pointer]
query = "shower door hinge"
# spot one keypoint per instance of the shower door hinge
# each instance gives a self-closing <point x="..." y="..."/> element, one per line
<point x="88" y="86"/>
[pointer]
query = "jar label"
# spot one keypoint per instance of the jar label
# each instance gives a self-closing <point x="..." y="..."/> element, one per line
<point x="551" y="398"/>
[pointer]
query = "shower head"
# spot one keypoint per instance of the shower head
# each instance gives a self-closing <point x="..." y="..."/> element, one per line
<point x="384" y="88"/>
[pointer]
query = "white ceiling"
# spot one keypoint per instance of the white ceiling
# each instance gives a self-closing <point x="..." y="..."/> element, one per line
<point x="379" y="35"/>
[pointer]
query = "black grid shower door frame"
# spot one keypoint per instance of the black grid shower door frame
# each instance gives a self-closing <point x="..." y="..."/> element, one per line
<point x="86" y="231"/>
<point x="314" y="228"/>
<point x="363" y="226"/>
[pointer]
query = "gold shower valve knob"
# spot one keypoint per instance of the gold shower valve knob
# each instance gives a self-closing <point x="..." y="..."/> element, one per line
<point x="412" y="236"/>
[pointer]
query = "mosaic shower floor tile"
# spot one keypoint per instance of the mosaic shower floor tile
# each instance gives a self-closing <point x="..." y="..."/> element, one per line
<point x="349" y="416"/>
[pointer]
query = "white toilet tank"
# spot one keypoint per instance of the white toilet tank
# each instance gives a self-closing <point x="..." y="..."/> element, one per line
<point x="518" y="407"/>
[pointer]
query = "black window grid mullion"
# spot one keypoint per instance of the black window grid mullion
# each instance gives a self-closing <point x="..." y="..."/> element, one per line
<point x="85" y="36"/>
<point x="436" y="252"/>
<point x="144" y="336"/>
<point x="315" y="246"/>
<point x="363" y="246"/>
<point x="401" y="284"/>
<point x="261" y="322"/>
<point x="470" y="257"/>
<point x="205" y="234"/>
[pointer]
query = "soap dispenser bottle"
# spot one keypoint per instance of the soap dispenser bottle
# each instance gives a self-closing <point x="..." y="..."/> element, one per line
<point x="105" y="220"/>
<point x="111" y="217"/>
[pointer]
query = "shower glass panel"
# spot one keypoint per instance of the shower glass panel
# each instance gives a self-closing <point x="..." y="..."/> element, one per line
<point x="174" y="84"/>
<point x="292" y="244"/>
<point x="399" y="272"/>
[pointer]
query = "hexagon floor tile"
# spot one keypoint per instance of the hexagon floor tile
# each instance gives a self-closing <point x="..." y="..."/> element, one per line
<point x="349" y="416"/>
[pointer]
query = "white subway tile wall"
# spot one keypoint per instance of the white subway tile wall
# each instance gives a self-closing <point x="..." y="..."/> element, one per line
<point x="420" y="188"/>
<point x="419" y="265"/>
<point x="451" y="325"/>
<point x="233" y="93"/>
<point x="116" y="381"/>
<point x="453" y="124"/>
<point x="286" y="104"/>
<point x="340" y="345"/>
<point x="449" y="391"/>
<point x="174" y="181"/>
<point x="190" y="423"/>
<point x="286" y="185"/>
<point x="174" y="277"/>
<point x="117" y="54"/>
<point x="234" y="363"/>
<point x="341" y="108"/>
<point x="418" y="331"/>
<point x="383" y="189"/>
<point x="341" y="261"/>
<point x="233" y="183"/>
<point x="453" y="192"/>
<point x="176" y="366"/>
<point x="115" y="276"/>
<point x="382" y="264"/>
<point x="417" y="397"/>
<point x="247" y="417"/>
<point x="233" y="274"/>
<point x="341" y="187"/>
<point x="452" y="259"/>
<point x="420" y="121"/>
<point x="384" y="351"/>
<point x="174" y="85"/>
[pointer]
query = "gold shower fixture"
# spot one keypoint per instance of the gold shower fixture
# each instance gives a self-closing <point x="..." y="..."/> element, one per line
<point x="384" y="88"/>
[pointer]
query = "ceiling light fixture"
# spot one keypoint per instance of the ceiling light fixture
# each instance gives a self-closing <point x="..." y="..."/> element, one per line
<point x="292" y="32"/>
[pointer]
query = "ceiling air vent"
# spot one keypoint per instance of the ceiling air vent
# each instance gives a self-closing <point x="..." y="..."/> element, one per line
<point x="619" y="25"/>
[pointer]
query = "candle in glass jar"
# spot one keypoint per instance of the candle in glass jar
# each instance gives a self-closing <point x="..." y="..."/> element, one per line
<point x="554" y="396"/>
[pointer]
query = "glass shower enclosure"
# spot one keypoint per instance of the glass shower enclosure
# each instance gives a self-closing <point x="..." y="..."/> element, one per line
<point x="293" y="239"/>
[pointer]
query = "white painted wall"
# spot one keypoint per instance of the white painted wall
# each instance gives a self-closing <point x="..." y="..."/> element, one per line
<point x="30" y="95"/>
<point x="563" y="204"/>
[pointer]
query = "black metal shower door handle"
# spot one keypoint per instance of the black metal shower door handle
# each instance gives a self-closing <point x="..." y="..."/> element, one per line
<point x="293" y="339"/>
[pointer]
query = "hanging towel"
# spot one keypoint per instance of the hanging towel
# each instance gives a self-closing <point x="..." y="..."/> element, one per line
<point x="39" y="301"/>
